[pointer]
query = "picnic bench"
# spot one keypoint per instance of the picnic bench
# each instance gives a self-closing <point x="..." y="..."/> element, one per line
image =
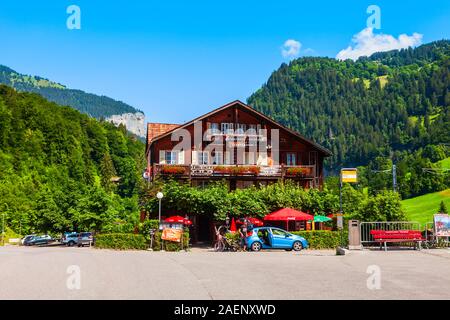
<point x="385" y="236"/>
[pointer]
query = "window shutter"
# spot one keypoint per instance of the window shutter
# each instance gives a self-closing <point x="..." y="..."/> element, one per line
<point x="227" y="157"/>
<point x="180" y="156"/>
<point x="194" y="157"/>
<point x="162" y="156"/>
<point x="262" y="159"/>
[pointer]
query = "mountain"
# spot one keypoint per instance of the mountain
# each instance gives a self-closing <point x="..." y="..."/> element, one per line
<point x="91" y="104"/>
<point x="386" y="105"/>
<point x="62" y="170"/>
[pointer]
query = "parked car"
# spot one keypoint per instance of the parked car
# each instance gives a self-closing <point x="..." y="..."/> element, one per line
<point x="36" y="240"/>
<point x="275" y="238"/>
<point x="70" y="238"/>
<point x="26" y="238"/>
<point x="85" y="238"/>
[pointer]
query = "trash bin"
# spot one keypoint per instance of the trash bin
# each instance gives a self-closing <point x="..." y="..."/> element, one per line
<point x="354" y="235"/>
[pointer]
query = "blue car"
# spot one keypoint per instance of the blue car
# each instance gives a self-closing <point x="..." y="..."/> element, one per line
<point x="275" y="238"/>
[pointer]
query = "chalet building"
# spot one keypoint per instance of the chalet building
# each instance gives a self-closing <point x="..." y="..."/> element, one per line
<point x="234" y="143"/>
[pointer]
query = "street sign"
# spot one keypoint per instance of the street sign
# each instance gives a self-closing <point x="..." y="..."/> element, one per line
<point x="349" y="175"/>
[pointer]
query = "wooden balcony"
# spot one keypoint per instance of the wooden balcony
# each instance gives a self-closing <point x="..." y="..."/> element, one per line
<point x="234" y="171"/>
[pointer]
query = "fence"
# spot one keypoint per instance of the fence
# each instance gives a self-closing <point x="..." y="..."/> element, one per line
<point x="366" y="227"/>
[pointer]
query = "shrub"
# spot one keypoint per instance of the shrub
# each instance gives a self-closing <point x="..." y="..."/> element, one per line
<point x="121" y="241"/>
<point x="146" y="226"/>
<point x="323" y="239"/>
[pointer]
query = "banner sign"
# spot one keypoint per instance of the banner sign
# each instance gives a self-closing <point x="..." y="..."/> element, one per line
<point x="171" y="234"/>
<point x="349" y="175"/>
<point x="442" y="225"/>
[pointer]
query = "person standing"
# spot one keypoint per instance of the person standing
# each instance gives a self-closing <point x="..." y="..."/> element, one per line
<point x="243" y="233"/>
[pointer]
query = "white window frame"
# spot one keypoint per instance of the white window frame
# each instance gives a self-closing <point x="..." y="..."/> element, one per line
<point x="217" y="159"/>
<point x="227" y="127"/>
<point x="173" y="157"/>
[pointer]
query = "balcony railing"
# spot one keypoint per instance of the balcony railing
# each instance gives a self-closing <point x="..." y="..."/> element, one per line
<point x="280" y="171"/>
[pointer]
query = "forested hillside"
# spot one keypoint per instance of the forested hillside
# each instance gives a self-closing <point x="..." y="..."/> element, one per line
<point x="91" y="104"/>
<point x="56" y="166"/>
<point x="392" y="101"/>
<point x="390" y="107"/>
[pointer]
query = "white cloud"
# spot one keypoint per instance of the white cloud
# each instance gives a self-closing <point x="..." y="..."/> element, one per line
<point x="366" y="43"/>
<point x="291" y="48"/>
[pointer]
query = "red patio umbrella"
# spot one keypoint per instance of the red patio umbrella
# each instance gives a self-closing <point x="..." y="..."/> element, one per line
<point x="288" y="214"/>
<point x="178" y="219"/>
<point x="254" y="221"/>
<point x="233" y="225"/>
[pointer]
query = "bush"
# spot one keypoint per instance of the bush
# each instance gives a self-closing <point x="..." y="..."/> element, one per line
<point x="170" y="245"/>
<point x="323" y="239"/>
<point x="120" y="241"/>
<point x="146" y="226"/>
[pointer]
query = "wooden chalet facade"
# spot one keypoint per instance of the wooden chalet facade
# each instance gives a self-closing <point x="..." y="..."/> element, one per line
<point x="238" y="144"/>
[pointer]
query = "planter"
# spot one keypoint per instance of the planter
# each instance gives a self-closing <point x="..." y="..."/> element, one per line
<point x="237" y="170"/>
<point x="297" y="172"/>
<point x="175" y="170"/>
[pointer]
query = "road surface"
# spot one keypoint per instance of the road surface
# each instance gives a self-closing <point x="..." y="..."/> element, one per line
<point x="87" y="273"/>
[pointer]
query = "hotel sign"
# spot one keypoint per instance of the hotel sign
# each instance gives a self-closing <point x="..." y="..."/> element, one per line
<point x="349" y="175"/>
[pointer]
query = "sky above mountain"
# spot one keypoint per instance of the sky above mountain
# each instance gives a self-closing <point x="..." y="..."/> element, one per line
<point x="179" y="59"/>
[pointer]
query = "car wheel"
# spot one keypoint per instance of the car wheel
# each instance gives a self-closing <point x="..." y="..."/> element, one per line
<point x="256" y="246"/>
<point x="297" y="246"/>
<point x="71" y="243"/>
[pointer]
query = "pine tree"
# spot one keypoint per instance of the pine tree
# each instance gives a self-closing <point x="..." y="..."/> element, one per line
<point x="442" y="207"/>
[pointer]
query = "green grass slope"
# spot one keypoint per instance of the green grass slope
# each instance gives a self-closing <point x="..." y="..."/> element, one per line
<point x="422" y="208"/>
<point x="445" y="164"/>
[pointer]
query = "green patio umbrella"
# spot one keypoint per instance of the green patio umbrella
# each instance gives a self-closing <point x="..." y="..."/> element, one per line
<point x="321" y="219"/>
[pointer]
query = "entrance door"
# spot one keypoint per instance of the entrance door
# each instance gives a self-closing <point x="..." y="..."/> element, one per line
<point x="204" y="229"/>
<point x="280" y="239"/>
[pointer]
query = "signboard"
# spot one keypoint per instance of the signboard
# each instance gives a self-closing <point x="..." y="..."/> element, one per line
<point x="442" y="225"/>
<point x="349" y="175"/>
<point x="171" y="234"/>
<point x="202" y="170"/>
<point x="340" y="221"/>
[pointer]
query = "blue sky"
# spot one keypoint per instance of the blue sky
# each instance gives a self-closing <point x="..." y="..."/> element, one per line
<point x="179" y="59"/>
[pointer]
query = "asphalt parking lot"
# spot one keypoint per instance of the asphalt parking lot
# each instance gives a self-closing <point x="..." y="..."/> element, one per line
<point x="88" y="273"/>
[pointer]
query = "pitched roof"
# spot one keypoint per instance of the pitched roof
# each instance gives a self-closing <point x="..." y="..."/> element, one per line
<point x="324" y="150"/>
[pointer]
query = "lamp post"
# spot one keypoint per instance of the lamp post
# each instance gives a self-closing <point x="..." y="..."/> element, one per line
<point x="159" y="195"/>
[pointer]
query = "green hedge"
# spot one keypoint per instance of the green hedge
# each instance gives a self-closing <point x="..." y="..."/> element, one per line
<point x="120" y="241"/>
<point x="124" y="241"/>
<point x="323" y="239"/>
<point x="170" y="245"/>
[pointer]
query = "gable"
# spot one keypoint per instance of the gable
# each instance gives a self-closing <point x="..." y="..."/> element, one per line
<point x="239" y="112"/>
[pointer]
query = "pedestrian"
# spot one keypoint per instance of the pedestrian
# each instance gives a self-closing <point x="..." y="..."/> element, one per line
<point x="243" y="234"/>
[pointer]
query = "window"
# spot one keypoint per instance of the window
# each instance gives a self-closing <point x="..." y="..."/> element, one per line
<point x="252" y="129"/>
<point x="279" y="233"/>
<point x="217" y="159"/>
<point x="171" y="157"/>
<point x="290" y="159"/>
<point x="227" y="128"/>
<point x="240" y="128"/>
<point x="215" y="128"/>
<point x="200" y="157"/>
